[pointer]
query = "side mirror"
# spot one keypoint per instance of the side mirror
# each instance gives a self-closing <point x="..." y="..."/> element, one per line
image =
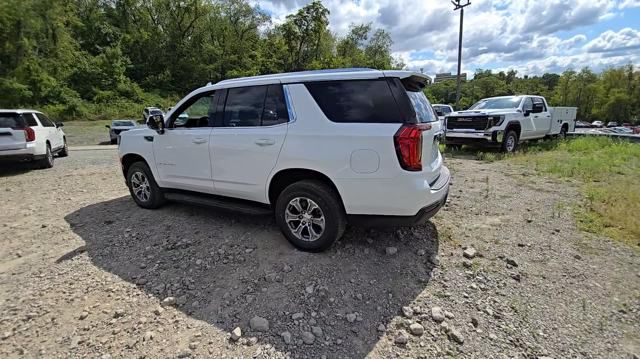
<point x="107" y="126"/>
<point x="59" y="124"/>
<point x="526" y="112"/>
<point x="156" y="122"/>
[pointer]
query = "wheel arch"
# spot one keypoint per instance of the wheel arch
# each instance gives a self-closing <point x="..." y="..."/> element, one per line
<point x="516" y="126"/>
<point x="285" y="177"/>
<point x="130" y="158"/>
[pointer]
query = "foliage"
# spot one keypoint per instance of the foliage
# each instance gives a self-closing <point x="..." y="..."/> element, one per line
<point x="613" y="95"/>
<point x="96" y="59"/>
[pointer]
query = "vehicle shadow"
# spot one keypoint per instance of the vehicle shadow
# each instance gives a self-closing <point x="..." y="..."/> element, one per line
<point x="15" y="169"/>
<point x="226" y="268"/>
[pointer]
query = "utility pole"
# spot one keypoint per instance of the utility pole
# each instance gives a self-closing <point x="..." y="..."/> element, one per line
<point x="458" y="5"/>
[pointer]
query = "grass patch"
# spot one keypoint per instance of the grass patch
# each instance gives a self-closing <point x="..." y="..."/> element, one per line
<point x="610" y="172"/>
<point x="79" y="133"/>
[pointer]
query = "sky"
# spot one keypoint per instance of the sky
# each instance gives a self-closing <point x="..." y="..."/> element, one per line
<point x="530" y="36"/>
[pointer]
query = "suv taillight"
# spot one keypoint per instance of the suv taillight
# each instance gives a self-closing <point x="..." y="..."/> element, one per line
<point x="29" y="134"/>
<point x="408" y="142"/>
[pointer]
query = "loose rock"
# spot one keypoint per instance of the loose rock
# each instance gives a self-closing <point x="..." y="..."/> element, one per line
<point x="407" y="312"/>
<point x="391" y="250"/>
<point x="308" y="338"/>
<point x="469" y="253"/>
<point x="437" y="314"/>
<point x="259" y="324"/>
<point x="236" y="334"/>
<point x="402" y="338"/>
<point x="169" y="301"/>
<point x="286" y="337"/>
<point x="456" y="336"/>
<point x="351" y="317"/>
<point x="416" y="329"/>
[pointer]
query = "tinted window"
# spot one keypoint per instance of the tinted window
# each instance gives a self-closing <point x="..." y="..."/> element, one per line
<point x="356" y="101"/>
<point x="538" y="100"/>
<point x="44" y="120"/>
<point x="424" y="111"/>
<point x="275" y="108"/>
<point x="11" y="120"/>
<point x="244" y="106"/>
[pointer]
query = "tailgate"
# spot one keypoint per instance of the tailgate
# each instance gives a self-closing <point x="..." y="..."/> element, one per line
<point x="12" y="136"/>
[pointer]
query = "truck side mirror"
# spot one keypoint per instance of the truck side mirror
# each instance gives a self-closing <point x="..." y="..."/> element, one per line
<point x="156" y="122"/>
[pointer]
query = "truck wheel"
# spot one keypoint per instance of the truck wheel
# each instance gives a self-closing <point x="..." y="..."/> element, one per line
<point x="510" y="142"/>
<point x="47" y="161"/>
<point x="143" y="187"/>
<point x="563" y="133"/>
<point x="310" y="215"/>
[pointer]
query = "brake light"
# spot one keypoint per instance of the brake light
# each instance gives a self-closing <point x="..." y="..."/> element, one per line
<point x="29" y="134"/>
<point x="408" y="142"/>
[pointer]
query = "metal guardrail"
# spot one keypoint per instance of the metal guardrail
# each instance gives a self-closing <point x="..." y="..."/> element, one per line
<point x="621" y="136"/>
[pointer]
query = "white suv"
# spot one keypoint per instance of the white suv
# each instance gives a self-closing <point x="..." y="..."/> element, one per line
<point x="318" y="148"/>
<point x="27" y="135"/>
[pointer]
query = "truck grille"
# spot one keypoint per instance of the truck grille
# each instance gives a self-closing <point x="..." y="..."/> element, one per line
<point x="468" y="123"/>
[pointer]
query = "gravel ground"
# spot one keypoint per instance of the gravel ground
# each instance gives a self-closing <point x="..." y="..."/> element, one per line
<point x="500" y="272"/>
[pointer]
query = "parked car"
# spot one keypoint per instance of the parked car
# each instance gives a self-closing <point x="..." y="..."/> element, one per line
<point x="508" y="120"/>
<point x="612" y="124"/>
<point x="442" y="111"/>
<point x="316" y="148"/>
<point x="583" y="124"/>
<point x="119" y="126"/>
<point x="150" y="111"/>
<point x="28" y="135"/>
<point x="597" y="124"/>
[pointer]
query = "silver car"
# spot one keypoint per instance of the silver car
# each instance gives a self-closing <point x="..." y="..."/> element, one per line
<point x="118" y="126"/>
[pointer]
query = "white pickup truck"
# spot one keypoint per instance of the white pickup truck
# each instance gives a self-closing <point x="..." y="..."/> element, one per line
<point x="507" y="121"/>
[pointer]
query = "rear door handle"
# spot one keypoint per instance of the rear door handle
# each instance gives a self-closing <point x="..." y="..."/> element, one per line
<point x="199" y="140"/>
<point x="265" y="142"/>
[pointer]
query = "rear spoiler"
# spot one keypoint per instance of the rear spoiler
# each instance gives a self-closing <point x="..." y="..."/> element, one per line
<point x="412" y="81"/>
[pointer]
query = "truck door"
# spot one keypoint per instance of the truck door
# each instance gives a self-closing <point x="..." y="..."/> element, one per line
<point x="541" y="117"/>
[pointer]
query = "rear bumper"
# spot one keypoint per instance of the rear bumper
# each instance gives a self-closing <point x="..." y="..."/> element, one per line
<point x="400" y="221"/>
<point x="20" y="155"/>
<point x="479" y="138"/>
<point x="404" y="196"/>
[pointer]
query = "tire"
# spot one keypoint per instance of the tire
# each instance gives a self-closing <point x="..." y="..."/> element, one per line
<point x="563" y="133"/>
<point x="47" y="161"/>
<point x="64" y="152"/>
<point x="510" y="142"/>
<point x="295" y="201"/>
<point x="147" y="195"/>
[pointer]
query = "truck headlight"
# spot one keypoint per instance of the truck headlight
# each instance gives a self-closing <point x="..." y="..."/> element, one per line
<point x="496" y="120"/>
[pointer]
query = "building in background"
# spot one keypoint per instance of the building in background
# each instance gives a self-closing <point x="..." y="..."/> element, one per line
<point x="447" y="76"/>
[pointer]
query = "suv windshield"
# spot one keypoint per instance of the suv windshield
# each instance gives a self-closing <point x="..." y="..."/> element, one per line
<point x="497" y="103"/>
<point x="443" y="109"/>
<point x="123" y="123"/>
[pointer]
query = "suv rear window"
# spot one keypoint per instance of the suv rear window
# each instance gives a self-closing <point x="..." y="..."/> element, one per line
<point x="14" y="121"/>
<point x="360" y="101"/>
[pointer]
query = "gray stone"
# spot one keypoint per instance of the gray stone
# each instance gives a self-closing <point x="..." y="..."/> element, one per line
<point x="317" y="331"/>
<point x="184" y="353"/>
<point x="83" y="315"/>
<point x="512" y="262"/>
<point x="297" y="316"/>
<point x="236" y="334"/>
<point x="475" y="322"/>
<point x="169" y="301"/>
<point x="308" y="338"/>
<point x="401" y="338"/>
<point x="118" y="313"/>
<point x="382" y="328"/>
<point x="391" y="250"/>
<point x="469" y="253"/>
<point x="351" y="317"/>
<point x="259" y="324"/>
<point x="286" y="337"/>
<point x="416" y="329"/>
<point x="407" y="312"/>
<point x="437" y="314"/>
<point x="148" y="336"/>
<point x="449" y="315"/>
<point x="456" y="336"/>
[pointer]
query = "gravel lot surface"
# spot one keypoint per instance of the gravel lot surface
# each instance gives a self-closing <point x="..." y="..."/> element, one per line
<point x="500" y="272"/>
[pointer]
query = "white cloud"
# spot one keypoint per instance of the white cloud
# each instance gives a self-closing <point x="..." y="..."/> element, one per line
<point x="608" y="41"/>
<point x="509" y="33"/>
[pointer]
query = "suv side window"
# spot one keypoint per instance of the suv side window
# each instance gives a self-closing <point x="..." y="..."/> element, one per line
<point x="44" y="120"/>
<point x="356" y="101"/>
<point x="30" y="118"/>
<point x="540" y="101"/>
<point x="198" y="111"/>
<point x="253" y="106"/>
<point x="527" y="105"/>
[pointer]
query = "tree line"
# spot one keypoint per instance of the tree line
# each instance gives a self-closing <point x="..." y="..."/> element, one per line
<point x="105" y="58"/>
<point x="612" y="95"/>
<point x="93" y="59"/>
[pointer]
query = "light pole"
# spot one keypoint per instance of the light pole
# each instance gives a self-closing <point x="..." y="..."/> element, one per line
<point x="458" y="5"/>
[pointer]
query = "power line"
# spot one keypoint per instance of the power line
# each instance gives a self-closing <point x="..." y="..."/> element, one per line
<point x="458" y="5"/>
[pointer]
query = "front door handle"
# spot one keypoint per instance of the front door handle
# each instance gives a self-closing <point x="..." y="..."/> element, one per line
<point x="199" y="140"/>
<point x="265" y="142"/>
